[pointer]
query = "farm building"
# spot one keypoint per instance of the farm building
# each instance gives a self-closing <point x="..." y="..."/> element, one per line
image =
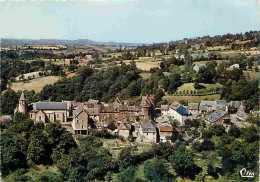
<point x="179" y="112"/>
<point x="215" y="116"/>
<point x="31" y="75"/>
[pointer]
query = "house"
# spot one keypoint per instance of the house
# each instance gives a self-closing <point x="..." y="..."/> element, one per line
<point x="214" y="105"/>
<point x="193" y="108"/>
<point x="88" y="56"/>
<point x="215" y="116"/>
<point x="203" y="109"/>
<point x="4" y="119"/>
<point x="148" y="132"/>
<point x="221" y="104"/>
<point x="198" y="66"/>
<point x="165" y="110"/>
<point x="124" y="130"/>
<point x="234" y="66"/>
<point x="80" y="121"/>
<point x="179" y="112"/>
<point x="32" y="75"/>
<point x="165" y="133"/>
<point x="241" y="116"/>
<point x="235" y="104"/>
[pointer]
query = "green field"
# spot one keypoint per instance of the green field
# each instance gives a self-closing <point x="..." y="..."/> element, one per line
<point x="197" y="99"/>
<point x="189" y="86"/>
<point x="35" y="84"/>
<point x="145" y="75"/>
<point x="253" y="75"/>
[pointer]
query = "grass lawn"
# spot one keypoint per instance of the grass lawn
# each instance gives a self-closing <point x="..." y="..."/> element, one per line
<point x="197" y="99"/>
<point x="144" y="65"/>
<point x="253" y="75"/>
<point x="200" y="62"/>
<point x="145" y="75"/>
<point x="189" y="86"/>
<point x="35" y="84"/>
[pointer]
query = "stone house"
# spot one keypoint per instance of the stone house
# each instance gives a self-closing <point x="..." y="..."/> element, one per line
<point x="179" y="112"/>
<point x="80" y="121"/>
<point x="148" y="133"/>
<point x="124" y="130"/>
<point x="165" y="110"/>
<point x="165" y="132"/>
<point x="193" y="108"/>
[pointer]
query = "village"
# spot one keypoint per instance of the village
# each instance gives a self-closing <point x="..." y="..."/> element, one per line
<point x="143" y="123"/>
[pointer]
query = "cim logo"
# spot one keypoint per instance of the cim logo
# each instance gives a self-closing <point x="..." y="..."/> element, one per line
<point x="246" y="174"/>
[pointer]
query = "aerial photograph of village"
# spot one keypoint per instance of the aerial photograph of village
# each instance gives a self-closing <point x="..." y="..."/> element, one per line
<point x="130" y="91"/>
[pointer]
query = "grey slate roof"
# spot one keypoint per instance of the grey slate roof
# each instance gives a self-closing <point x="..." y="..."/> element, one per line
<point x="215" y="116"/>
<point x="148" y="127"/>
<point x="193" y="106"/>
<point x="207" y="103"/>
<point x="50" y="106"/>
<point x="164" y="107"/>
<point x="221" y="102"/>
<point x="77" y="111"/>
<point x="22" y="96"/>
<point x="203" y="108"/>
<point x="235" y="104"/>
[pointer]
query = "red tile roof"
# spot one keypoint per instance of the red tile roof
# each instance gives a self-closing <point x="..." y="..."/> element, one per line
<point x="165" y="129"/>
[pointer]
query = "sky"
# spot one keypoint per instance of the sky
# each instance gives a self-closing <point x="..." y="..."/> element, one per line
<point x="137" y="21"/>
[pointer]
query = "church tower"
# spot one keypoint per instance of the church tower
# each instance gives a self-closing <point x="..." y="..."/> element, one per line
<point x="23" y="104"/>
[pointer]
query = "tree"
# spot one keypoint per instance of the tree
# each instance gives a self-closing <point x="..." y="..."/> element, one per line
<point x="183" y="163"/>
<point x="234" y="131"/>
<point x="207" y="145"/>
<point x="236" y="74"/>
<point x="111" y="125"/>
<point x="37" y="149"/>
<point x="156" y="171"/>
<point x="174" y="82"/>
<point x="212" y="171"/>
<point x="206" y="74"/>
<point x="11" y="157"/>
<point x="125" y="158"/>
<point x="127" y="175"/>
<point x="217" y="129"/>
<point x="9" y="101"/>
<point x="159" y="93"/>
<point x="134" y="89"/>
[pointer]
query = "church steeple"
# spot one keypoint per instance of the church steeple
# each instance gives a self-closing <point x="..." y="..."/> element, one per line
<point x="23" y="104"/>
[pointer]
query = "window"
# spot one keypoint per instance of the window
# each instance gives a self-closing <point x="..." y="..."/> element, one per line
<point x="40" y="117"/>
<point x="77" y="121"/>
<point x="82" y="126"/>
<point x="58" y="116"/>
<point x="31" y="115"/>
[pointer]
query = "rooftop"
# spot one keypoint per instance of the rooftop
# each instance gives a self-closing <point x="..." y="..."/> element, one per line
<point x="215" y="116"/>
<point x="182" y="110"/>
<point x="148" y="127"/>
<point x="165" y="129"/>
<point x="193" y="106"/>
<point x="50" y="106"/>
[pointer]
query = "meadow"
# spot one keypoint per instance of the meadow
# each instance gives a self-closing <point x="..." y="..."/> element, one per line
<point x="35" y="84"/>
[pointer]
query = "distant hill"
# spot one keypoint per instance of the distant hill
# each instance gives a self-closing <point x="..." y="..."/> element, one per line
<point x="12" y="42"/>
